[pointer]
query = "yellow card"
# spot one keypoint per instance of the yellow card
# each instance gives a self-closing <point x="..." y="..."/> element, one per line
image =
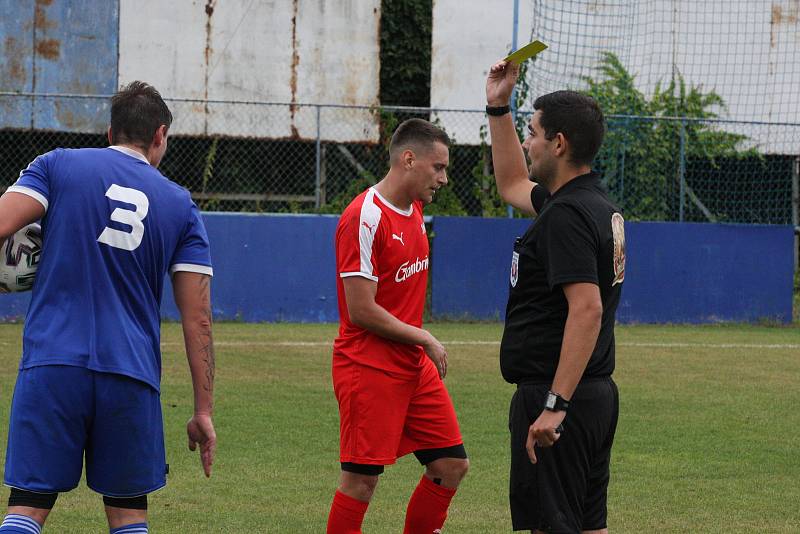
<point x="526" y="52"/>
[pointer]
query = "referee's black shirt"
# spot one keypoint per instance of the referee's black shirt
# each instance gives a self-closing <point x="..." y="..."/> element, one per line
<point x="572" y="240"/>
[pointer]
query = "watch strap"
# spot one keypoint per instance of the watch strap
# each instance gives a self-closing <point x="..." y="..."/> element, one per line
<point x="555" y="402"/>
<point x="497" y="111"/>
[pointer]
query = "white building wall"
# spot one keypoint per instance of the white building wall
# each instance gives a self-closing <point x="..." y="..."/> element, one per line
<point x="280" y="51"/>
<point x="746" y="51"/>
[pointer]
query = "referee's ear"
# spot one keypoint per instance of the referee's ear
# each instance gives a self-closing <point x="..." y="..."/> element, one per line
<point x="561" y="145"/>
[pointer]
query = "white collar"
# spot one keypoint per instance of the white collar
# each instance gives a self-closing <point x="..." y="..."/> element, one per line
<point x="130" y="152"/>
<point x="391" y="206"/>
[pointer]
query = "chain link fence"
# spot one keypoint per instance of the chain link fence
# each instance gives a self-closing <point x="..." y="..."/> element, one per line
<point x="292" y="158"/>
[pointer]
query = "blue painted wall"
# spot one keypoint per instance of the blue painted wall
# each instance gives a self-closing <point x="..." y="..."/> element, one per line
<point x="271" y="268"/>
<point x="16" y="61"/>
<point x="281" y="268"/>
<point x="470" y="266"/>
<point x="58" y="47"/>
<point x="675" y="273"/>
<point x="699" y="273"/>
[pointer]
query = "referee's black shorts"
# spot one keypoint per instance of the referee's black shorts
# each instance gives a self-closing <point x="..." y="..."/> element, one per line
<point x="566" y="490"/>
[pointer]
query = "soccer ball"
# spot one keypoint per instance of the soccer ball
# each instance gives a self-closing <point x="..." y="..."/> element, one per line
<point x="19" y="259"/>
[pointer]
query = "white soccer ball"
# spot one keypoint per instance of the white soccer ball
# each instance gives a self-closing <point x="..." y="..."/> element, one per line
<point x="19" y="259"/>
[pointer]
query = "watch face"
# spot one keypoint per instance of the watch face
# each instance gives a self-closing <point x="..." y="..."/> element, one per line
<point x="550" y="403"/>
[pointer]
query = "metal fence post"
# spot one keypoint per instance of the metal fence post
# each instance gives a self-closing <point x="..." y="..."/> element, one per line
<point x="796" y="210"/>
<point x="682" y="171"/>
<point x="514" y="32"/>
<point x="318" y="164"/>
<point x="625" y="126"/>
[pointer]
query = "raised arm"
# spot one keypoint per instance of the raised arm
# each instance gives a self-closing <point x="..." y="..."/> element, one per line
<point x="364" y="312"/>
<point x="508" y="157"/>
<point x="193" y="297"/>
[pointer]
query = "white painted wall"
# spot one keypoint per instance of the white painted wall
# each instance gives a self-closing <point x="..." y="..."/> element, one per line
<point x="748" y="51"/>
<point x="301" y="51"/>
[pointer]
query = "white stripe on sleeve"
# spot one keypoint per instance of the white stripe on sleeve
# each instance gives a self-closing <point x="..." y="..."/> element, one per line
<point x="30" y="192"/>
<point x="191" y="268"/>
<point x="367" y="226"/>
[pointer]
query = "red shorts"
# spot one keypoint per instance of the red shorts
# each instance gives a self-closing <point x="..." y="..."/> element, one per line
<point x="384" y="416"/>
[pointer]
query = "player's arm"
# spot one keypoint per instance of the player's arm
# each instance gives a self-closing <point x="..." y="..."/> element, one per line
<point x="508" y="158"/>
<point x="16" y="211"/>
<point x="193" y="297"/>
<point x="364" y="312"/>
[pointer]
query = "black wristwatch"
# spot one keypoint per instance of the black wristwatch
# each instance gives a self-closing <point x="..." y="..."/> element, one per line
<point x="555" y="402"/>
<point x="497" y="111"/>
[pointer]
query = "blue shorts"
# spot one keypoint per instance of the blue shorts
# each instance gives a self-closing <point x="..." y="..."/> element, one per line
<point x="59" y="413"/>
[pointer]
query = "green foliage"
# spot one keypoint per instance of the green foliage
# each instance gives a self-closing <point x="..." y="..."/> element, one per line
<point x="641" y="154"/>
<point x="208" y="173"/>
<point x="405" y="76"/>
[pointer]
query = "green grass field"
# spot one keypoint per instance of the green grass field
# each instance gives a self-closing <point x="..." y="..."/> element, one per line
<point x="708" y="438"/>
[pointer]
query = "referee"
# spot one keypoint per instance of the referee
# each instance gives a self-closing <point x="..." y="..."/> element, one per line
<point x="566" y="276"/>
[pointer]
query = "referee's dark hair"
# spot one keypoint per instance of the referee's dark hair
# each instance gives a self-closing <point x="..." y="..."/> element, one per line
<point x="137" y="111"/>
<point x="578" y="117"/>
<point x="416" y="134"/>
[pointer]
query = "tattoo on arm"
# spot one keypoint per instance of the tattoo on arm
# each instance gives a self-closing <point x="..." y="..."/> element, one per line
<point x="206" y="340"/>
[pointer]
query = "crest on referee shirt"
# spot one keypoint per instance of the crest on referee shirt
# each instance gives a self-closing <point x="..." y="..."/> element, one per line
<point x="618" y="231"/>
<point x="514" y="269"/>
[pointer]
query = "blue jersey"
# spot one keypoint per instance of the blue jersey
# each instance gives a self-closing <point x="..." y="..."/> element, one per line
<point x="113" y="227"/>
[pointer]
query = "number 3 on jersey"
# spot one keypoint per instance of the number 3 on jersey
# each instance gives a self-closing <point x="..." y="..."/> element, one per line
<point x="118" y="238"/>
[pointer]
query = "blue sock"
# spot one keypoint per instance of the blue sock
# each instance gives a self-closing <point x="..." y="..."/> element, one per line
<point x="21" y="524"/>
<point x="136" y="528"/>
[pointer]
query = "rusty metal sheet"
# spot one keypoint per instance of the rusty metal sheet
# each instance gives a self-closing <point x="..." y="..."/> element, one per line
<point x="75" y="52"/>
<point x="286" y="51"/>
<point x="16" y="61"/>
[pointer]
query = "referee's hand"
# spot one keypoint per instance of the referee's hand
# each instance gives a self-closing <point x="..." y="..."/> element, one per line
<point x="500" y="82"/>
<point x="544" y="432"/>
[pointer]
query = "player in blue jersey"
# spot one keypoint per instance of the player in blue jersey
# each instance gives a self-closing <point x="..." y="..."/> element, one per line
<point x="88" y="382"/>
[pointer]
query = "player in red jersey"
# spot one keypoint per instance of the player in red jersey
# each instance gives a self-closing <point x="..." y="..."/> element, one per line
<point x="387" y="370"/>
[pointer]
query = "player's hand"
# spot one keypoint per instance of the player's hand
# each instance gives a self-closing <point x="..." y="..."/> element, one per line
<point x="437" y="353"/>
<point x="200" y="430"/>
<point x="544" y="432"/>
<point x="500" y="82"/>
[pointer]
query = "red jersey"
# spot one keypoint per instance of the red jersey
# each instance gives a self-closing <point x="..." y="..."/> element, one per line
<point x="390" y="246"/>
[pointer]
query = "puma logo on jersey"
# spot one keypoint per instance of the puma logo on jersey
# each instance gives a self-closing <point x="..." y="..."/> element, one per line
<point x="394" y="236"/>
<point x="367" y="225"/>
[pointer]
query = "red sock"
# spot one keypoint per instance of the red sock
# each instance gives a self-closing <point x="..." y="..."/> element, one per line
<point x="427" y="508"/>
<point x="346" y="515"/>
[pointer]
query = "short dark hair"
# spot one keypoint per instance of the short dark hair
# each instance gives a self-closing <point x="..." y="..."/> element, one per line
<point x="137" y="111"/>
<point x="419" y="133"/>
<point x="578" y="117"/>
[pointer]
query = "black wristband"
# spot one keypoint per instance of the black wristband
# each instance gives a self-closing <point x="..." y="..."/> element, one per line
<point x="497" y="111"/>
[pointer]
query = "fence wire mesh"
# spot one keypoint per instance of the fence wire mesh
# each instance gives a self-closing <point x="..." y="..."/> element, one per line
<point x="270" y="157"/>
